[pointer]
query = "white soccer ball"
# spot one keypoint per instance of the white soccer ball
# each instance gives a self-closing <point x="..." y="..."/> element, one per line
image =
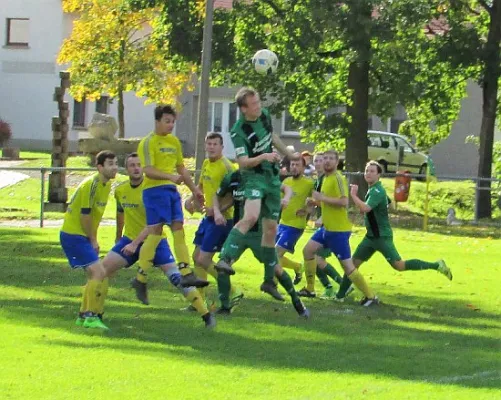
<point x="265" y="62"/>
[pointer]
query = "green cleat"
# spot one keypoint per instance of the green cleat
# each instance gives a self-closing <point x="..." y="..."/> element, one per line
<point x="444" y="269"/>
<point x="94" y="323"/>
<point x="329" y="293"/>
<point x="80" y="321"/>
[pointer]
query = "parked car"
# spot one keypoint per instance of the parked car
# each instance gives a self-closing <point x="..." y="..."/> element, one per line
<point x="392" y="150"/>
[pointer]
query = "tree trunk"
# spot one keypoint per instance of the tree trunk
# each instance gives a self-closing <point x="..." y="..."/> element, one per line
<point x="490" y="84"/>
<point x="121" y="115"/>
<point x="356" y="142"/>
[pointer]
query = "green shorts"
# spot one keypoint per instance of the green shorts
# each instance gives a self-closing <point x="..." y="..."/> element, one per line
<point x="252" y="242"/>
<point x="368" y="246"/>
<point x="266" y="188"/>
<point x="324" y="252"/>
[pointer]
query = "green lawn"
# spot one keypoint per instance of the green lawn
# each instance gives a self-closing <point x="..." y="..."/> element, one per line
<point x="431" y="339"/>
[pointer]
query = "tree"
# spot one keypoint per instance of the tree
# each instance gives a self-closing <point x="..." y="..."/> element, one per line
<point x="473" y="38"/>
<point x="113" y="49"/>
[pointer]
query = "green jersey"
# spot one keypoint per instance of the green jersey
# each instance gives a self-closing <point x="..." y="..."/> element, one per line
<point x="232" y="183"/>
<point x="253" y="138"/>
<point x="318" y="188"/>
<point x="377" y="221"/>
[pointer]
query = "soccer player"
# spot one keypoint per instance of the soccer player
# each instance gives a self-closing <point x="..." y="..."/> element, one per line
<point x="293" y="216"/>
<point x="336" y="230"/>
<point x="233" y="190"/>
<point x="161" y="156"/>
<point x="253" y="137"/>
<point x="209" y="236"/>
<point x="131" y="222"/>
<point x="78" y="236"/>
<point x="379" y="236"/>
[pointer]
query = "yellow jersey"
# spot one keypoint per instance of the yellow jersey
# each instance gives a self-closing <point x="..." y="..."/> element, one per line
<point x="130" y="202"/>
<point x="91" y="198"/>
<point x="302" y="188"/>
<point x="164" y="153"/>
<point x="334" y="218"/>
<point x="211" y="176"/>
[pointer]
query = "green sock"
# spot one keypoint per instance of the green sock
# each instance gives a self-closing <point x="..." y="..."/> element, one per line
<point x="343" y="287"/>
<point x="419" y="265"/>
<point x="224" y="287"/>
<point x="270" y="260"/>
<point x="286" y="282"/>
<point x="330" y="270"/>
<point x="232" y="246"/>
<point x="322" y="276"/>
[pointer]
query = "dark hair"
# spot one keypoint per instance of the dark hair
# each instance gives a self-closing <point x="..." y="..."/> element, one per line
<point x="242" y="94"/>
<point x="131" y="155"/>
<point x="161" y="110"/>
<point x="104" y="155"/>
<point x="214" y="135"/>
<point x="376" y="164"/>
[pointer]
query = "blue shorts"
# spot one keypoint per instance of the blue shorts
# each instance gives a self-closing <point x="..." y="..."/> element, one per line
<point x="163" y="205"/>
<point x="209" y="236"/>
<point x="78" y="250"/>
<point x="163" y="254"/>
<point x="337" y="242"/>
<point x="287" y="237"/>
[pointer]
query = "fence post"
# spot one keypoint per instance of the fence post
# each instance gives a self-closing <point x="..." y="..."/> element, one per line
<point x="427" y="199"/>
<point x="42" y="197"/>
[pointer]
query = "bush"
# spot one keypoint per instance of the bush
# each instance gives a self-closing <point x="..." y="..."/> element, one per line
<point x="5" y="132"/>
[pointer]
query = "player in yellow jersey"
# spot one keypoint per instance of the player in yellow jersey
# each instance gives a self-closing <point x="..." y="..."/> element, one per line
<point x="209" y="236"/>
<point x="336" y="232"/>
<point x="78" y="236"/>
<point x="131" y="232"/>
<point x="294" y="216"/>
<point x="161" y="156"/>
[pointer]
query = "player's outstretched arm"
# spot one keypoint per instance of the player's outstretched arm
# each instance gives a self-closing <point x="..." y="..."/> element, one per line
<point x="288" y="192"/>
<point x="186" y="176"/>
<point x="331" y="201"/>
<point x="281" y="147"/>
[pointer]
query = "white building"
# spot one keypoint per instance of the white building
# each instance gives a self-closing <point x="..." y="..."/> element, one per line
<point x="31" y="33"/>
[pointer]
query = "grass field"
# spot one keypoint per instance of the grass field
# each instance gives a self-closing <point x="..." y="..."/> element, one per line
<point x="431" y="339"/>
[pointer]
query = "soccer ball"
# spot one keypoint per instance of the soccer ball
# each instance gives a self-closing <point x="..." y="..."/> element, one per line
<point x="265" y="62"/>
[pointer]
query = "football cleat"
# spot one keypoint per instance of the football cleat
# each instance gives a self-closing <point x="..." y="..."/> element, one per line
<point x="224" y="267"/>
<point x="192" y="280"/>
<point x="210" y="320"/>
<point x="271" y="289"/>
<point x="444" y="269"/>
<point x="141" y="291"/>
<point x="306" y="293"/>
<point x="366" y="302"/>
<point x="94" y="322"/>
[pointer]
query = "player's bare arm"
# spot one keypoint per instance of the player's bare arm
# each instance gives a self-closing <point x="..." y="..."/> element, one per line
<point x="288" y="192"/>
<point x="120" y="226"/>
<point x="220" y="207"/>
<point x="251" y="162"/>
<point x="331" y="201"/>
<point x="362" y="205"/>
<point x="132" y="246"/>
<point x="281" y="147"/>
<point x="86" y="221"/>
<point x="186" y="177"/>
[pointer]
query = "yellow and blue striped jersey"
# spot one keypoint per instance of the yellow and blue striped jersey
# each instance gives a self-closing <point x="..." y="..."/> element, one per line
<point x="211" y="176"/>
<point x="334" y="218"/>
<point x="302" y="188"/>
<point x="91" y="198"/>
<point x="164" y="153"/>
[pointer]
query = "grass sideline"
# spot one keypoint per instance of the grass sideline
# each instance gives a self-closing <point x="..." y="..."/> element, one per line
<point x="431" y="339"/>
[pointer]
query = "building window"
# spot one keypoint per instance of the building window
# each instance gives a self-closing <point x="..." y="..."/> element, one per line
<point x="17" y="32"/>
<point x="79" y="114"/>
<point x="102" y="105"/>
<point x="290" y="125"/>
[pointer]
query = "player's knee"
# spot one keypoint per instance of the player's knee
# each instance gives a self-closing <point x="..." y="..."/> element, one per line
<point x="250" y="218"/>
<point x="398" y="265"/>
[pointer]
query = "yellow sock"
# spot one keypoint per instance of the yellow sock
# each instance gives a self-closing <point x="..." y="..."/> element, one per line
<point x="102" y="298"/>
<point x="196" y="301"/>
<point x="147" y="252"/>
<point x="180" y="248"/>
<point x="286" y="262"/>
<point x="310" y="267"/>
<point x="94" y="292"/>
<point x="358" y="280"/>
<point x="212" y="271"/>
<point x="84" y="304"/>
<point x="142" y="276"/>
<point x="202" y="274"/>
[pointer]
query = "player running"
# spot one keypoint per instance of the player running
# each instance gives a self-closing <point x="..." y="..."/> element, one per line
<point x="379" y="236"/>
<point x="253" y="137"/>
<point x="78" y="237"/>
<point x="131" y="232"/>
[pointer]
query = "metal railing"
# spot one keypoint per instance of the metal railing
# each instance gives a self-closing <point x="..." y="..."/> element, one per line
<point x="44" y="170"/>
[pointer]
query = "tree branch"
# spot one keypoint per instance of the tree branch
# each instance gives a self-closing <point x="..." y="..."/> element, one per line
<point x="484" y="4"/>
<point x="275" y="8"/>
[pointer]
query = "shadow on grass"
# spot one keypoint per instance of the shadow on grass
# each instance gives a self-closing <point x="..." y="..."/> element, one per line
<point x="421" y="339"/>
